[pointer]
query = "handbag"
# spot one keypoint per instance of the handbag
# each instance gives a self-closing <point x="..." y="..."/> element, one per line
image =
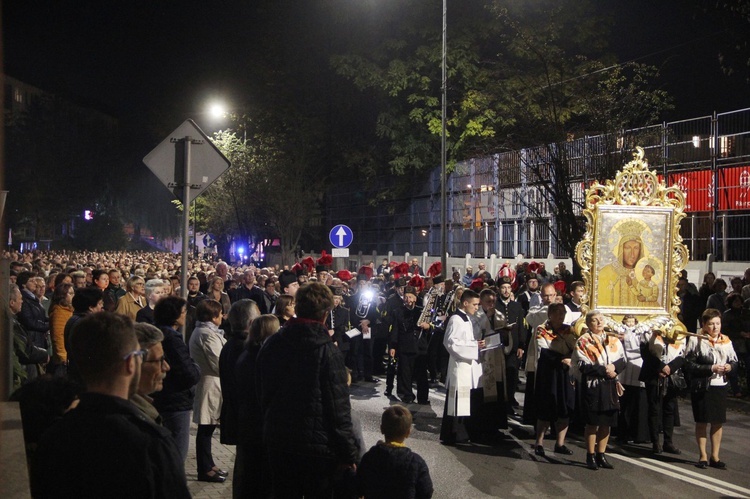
<point x="678" y="380"/>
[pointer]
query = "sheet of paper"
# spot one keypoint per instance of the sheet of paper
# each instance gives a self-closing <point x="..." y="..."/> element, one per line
<point x="491" y="342"/>
<point x="353" y="333"/>
<point x="367" y="335"/>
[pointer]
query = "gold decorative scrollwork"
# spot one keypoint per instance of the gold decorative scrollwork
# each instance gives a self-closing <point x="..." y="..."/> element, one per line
<point x="634" y="214"/>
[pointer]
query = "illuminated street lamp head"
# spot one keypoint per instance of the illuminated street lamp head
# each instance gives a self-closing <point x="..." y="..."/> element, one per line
<point x="217" y="110"/>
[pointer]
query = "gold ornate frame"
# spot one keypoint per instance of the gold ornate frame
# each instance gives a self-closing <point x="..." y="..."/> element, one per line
<point x="635" y="206"/>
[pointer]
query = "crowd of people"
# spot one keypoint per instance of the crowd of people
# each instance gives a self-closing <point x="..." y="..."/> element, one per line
<point x="259" y="357"/>
<point x="267" y="356"/>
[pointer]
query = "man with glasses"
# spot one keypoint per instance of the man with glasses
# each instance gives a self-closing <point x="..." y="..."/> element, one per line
<point x="153" y="370"/>
<point x="106" y="447"/>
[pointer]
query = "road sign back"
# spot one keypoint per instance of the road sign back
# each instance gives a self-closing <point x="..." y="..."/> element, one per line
<point x="167" y="161"/>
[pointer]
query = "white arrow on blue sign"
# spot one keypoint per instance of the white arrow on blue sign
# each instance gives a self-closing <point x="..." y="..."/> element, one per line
<point x="341" y="236"/>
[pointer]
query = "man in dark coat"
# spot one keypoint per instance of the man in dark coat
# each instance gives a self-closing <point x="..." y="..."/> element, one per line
<point x="394" y="302"/>
<point x="123" y="452"/>
<point x="515" y="337"/>
<point x="247" y="289"/>
<point x="29" y="355"/>
<point x="363" y="313"/>
<point x="32" y="316"/>
<point x="404" y="344"/>
<point x="304" y="399"/>
<point x="338" y="323"/>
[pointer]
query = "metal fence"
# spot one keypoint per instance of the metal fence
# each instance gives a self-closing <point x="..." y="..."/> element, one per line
<point x="497" y="205"/>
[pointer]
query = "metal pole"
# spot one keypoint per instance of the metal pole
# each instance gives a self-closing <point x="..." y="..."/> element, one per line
<point x="6" y="333"/>
<point x="195" y="222"/>
<point x="443" y="170"/>
<point x="185" y="219"/>
<point x="715" y="190"/>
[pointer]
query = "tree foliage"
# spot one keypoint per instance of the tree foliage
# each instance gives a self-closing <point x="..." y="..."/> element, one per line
<point x="520" y="74"/>
<point x="271" y="190"/>
<point x="734" y="18"/>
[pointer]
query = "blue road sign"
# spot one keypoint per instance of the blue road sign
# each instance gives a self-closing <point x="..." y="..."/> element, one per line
<point x="341" y="236"/>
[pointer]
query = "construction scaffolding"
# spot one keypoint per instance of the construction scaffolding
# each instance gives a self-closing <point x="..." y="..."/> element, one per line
<point x="498" y="205"/>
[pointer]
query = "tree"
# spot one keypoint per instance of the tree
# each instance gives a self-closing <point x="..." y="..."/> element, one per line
<point x="520" y="74"/>
<point x="734" y="18"/>
<point x="271" y="190"/>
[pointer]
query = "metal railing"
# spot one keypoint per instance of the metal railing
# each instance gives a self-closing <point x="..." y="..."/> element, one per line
<point x="495" y="205"/>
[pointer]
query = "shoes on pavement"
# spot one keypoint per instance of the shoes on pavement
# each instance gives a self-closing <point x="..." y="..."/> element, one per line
<point x="539" y="450"/>
<point x="408" y="400"/>
<point x="563" y="449"/>
<point x="591" y="462"/>
<point x="719" y="465"/>
<point x="388" y="393"/>
<point x="657" y="448"/>
<point x="424" y="402"/>
<point x="207" y="477"/>
<point x="601" y="461"/>
<point x="670" y="448"/>
<point x="702" y="465"/>
<point x="220" y="471"/>
<point x="370" y="379"/>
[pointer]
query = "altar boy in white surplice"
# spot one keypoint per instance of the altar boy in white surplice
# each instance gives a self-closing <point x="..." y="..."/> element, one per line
<point x="464" y="370"/>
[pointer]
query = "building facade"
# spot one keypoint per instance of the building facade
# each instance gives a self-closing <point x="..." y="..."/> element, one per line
<point x="501" y="205"/>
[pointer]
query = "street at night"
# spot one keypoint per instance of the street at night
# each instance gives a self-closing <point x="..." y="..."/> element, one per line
<point x="218" y="219"/>
<point x="510" y="468"/>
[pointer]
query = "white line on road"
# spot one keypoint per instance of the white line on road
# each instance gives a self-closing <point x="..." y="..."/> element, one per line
<point x="678" y="473"/>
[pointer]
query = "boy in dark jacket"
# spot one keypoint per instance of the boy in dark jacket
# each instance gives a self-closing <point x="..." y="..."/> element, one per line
<point x="390" y="469"/>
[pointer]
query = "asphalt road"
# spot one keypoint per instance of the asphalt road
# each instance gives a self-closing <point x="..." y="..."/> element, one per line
<point x="509" y="468"/>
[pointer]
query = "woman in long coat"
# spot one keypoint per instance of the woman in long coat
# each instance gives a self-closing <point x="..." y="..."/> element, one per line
<point x="206" y="343"/>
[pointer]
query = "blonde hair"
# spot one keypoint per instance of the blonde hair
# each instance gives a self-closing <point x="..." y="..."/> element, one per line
<point x="261" y="328"/>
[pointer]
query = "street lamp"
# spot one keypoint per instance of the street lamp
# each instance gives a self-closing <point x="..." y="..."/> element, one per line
<point x="217" y="110"/>
<point x="443" y="170"/>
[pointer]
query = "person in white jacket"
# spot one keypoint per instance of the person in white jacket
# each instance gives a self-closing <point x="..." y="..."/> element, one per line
<point x="464" y="370"/>
<point x="206" y="343"/>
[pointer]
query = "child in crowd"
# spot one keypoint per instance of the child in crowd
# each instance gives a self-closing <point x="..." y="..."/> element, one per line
<point x="390" y="469"/>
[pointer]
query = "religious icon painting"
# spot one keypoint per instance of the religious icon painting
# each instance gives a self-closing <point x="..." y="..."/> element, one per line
<point x="632" y="253"/>
<point x="630" y="256"/>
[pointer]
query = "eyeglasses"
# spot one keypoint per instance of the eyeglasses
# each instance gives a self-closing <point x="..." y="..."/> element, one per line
<point x="137" y="353"/>
<point x="161" y="360"/>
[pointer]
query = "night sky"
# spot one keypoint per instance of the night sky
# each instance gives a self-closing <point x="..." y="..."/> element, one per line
<point x="150" y="62"/>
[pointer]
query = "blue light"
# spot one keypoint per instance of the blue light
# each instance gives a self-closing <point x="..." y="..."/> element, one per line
<point x="240" y="250"/>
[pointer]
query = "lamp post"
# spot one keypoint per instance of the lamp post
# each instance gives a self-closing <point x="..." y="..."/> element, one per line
<point x="443" y="168"/>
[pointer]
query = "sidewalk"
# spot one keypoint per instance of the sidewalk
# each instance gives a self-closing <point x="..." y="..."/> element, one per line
<point x="224" y="459"/>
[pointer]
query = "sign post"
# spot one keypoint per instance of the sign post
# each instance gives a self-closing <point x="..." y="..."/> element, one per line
<point x="187" y="172"/>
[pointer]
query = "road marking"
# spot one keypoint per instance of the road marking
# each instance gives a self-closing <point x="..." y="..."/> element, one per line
<point x="678" y="473"/>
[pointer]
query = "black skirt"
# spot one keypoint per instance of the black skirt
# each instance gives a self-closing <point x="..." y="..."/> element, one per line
<point x="710" y="406"/>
